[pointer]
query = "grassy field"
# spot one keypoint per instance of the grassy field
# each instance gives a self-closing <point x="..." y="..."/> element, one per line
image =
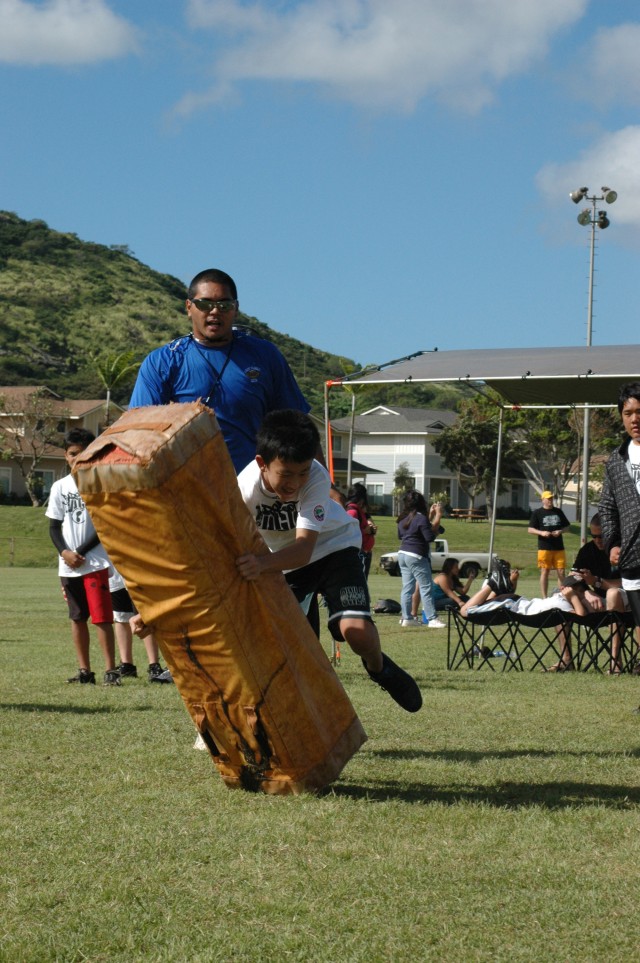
<point x="25" y="542"/>
<point x="500" y="823"/>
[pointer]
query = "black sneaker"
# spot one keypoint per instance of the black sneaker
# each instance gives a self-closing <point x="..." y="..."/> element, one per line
<point x="398" y="683"/>
<point x="157" y="674"/>
<point x="127" y="670"/>
<point x="112" y="677"/>
<point x="493" y="585"/>
<point x="84" y="676"/>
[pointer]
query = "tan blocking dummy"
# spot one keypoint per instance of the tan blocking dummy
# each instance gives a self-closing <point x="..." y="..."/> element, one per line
<point x="163" y="495"/>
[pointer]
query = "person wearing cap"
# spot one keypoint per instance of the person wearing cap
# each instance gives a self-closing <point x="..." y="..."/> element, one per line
<point x="548" y="523"/>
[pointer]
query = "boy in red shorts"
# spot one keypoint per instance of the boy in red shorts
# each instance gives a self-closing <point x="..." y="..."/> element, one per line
<point x="83" y="567"/>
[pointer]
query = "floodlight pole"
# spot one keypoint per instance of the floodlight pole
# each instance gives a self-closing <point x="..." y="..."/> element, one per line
<point x="586" y="433"/>
<point x="589" y="217"/>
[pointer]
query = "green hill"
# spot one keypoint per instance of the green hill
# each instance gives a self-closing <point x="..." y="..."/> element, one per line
<point x="62" y="299"/>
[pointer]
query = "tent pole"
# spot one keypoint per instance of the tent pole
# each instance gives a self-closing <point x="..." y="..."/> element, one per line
<point x="586" y="458"/>
<point x="496" y="483"/>
<point x="327" y="430"/>
<point x="350" y="458"/>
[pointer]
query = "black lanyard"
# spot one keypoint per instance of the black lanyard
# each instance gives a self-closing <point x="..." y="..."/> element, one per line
<point x="217" y="374"/>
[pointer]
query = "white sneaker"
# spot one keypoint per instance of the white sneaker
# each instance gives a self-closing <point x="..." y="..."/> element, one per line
<point x="436" y="624"/>
<point x="411" y="623"/>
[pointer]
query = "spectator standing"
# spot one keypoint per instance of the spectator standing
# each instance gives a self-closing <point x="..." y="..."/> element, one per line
<point x="548" y="523"/>
<point x="83" y="567"/>
<point x="620" y="500"/>
<point x="123" y="612"/>
<point x="358" y="507"/>
<point x="417" y="528"/>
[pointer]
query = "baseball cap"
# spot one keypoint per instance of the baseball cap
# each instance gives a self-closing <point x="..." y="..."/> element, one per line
<point x="546" y="495"/>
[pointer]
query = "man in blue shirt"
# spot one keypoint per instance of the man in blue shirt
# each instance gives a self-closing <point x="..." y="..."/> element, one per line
<point x="240" y="376"/>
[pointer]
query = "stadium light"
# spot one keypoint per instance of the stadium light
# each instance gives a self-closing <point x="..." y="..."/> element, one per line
<point x="589" y="217"/>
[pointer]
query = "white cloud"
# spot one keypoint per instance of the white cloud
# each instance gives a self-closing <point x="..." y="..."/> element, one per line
<point x="384" y="53"/>
<point x="612" y="161"/>
<point x="613" y="64"/>
<point x="62" y="32"/>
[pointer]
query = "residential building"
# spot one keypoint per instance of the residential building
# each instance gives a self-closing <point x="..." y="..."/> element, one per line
<point x="23" y="409"/>
<point x="387" y="436"/>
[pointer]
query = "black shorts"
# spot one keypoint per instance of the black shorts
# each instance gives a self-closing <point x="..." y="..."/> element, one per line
<point x="340" y="579"/>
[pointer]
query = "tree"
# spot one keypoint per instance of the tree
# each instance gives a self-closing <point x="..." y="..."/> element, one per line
<point x="113" y="369"/>
<point x="470" y="448"/>
<point x="29" y="432"/>
<point x="403" y="481"/>
<point x="549" y="443"/>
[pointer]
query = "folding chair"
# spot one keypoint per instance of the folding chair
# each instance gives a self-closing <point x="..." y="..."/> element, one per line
<point x="547" y="634"/>
<point x="467" y="638"/>
<point x="628" y="653"/>
<point x="594" y="636"/>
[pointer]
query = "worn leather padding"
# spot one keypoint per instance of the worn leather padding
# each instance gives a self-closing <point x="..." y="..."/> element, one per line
<point x="163" y="495"/>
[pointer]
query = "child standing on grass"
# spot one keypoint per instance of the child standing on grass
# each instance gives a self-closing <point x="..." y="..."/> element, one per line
<point x="315" y="542"/>
<point x="83" y="567"/>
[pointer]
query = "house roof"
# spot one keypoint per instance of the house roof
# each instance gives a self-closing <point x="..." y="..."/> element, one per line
<point x="341" y="464"/>
<point x="392" y="420"/>
<point x="546" y="377"/>
<point x="17" y="395"/>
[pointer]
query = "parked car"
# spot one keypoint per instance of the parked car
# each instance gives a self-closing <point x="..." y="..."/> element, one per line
<point x="471" y="563"/>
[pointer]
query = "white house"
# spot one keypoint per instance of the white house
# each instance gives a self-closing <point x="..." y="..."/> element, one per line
<point x="387" y="436"/>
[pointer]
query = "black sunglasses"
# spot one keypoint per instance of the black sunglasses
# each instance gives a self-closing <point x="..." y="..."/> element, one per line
<point x="207" y="306"/>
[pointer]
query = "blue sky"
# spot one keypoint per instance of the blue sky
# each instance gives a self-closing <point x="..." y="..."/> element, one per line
<point x="380" y="177"/>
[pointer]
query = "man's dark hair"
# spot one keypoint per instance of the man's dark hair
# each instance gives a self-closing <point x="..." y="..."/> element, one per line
<point x="630" y="390"/>
<point x="78" y="436"/>
<point x="595" y="520"/>
<point x="217" y="277"/>
<point x="289" y="435"/>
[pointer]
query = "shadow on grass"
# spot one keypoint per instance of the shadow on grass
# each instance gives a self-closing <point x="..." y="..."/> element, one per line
<point x="508" y="795"/>
<point x="76" y="710"/>
<point x="468" y="755"/>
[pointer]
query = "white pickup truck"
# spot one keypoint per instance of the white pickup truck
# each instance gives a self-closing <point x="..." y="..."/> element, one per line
<point x="470" y="562"/>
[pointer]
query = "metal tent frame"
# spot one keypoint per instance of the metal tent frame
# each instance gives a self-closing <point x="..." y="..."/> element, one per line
<point x="557" y="377"/>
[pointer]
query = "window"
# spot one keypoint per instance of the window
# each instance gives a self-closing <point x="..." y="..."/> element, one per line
<point x="5" y="481"/>
<point x="375" y="491"/>
<point x="43" y="482"/>
<point x="337" y="442"/>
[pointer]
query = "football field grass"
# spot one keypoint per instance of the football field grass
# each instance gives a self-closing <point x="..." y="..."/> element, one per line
<point x="500" y="823"/>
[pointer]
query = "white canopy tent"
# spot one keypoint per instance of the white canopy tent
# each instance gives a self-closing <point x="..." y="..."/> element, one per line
<point x="558" y="377"/>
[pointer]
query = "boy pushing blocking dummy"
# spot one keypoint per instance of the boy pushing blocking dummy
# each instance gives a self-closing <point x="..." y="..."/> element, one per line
<point x="314" y="542"/>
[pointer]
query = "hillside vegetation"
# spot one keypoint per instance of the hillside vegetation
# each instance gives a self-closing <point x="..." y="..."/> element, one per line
<point x="63" y="299"/>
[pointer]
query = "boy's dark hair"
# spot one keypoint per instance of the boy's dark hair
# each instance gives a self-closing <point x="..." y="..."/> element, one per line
<point x="78" y="436"/>
<point x="289" y="435"/>
<point x="217" y="277"/>
<point x="358" y="493"/>
<point x="630" y="390"/>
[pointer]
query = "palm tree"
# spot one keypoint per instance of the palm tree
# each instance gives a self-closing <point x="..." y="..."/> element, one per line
<point x="111" y="370"/>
